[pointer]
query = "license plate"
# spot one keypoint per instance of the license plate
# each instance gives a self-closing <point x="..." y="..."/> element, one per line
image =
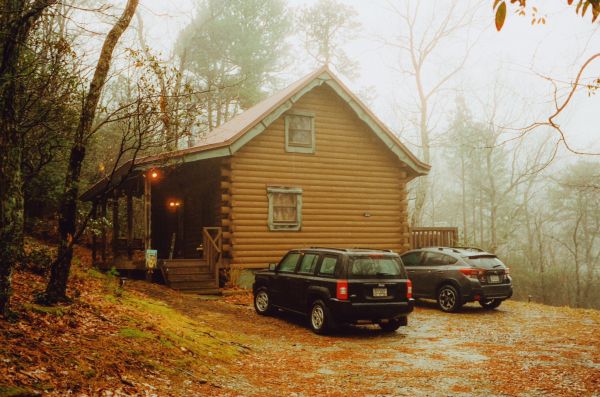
<point x="494" y="278"/>
<point x="378" y="292"/>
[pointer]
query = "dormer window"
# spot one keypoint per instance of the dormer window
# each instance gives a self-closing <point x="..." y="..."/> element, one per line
<point x="300" y="132"/>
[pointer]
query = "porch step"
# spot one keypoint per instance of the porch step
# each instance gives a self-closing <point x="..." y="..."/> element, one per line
<point x="186" y="285"/>
<point x="188" y="270"/>
<point x="181" y="263"/>
<point x="190" y="277"/>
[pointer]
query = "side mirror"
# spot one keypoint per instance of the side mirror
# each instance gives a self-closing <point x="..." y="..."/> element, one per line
<point x="272" y="266"/>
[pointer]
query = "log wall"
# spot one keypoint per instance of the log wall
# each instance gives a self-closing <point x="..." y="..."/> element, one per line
<point x="354" y="188"/>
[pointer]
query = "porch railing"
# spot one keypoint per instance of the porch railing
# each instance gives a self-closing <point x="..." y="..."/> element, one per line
<point x="421" y="237"/>
<point x="212" y="238"/>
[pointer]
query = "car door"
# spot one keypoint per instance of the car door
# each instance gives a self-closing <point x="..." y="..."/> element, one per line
<point x="434" y="265"/>
<point x="301" y="280"/>
<point x="280" y="283"/>
<point x="412" y="264"/>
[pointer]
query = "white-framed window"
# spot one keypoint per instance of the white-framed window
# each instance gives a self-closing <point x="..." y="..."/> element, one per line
<point x="300" y="132"/>
<point x="285" y="208"/>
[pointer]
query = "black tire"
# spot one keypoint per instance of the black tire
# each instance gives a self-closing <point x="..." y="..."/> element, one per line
<point x="393" y="324"/>
<point x="262" y="302"/>
<point x="320" y="318"/>
<point x="448" y="299"/>
<point x="490" y="304"/>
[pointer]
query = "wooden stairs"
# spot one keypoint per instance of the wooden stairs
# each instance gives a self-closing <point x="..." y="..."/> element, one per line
<point x="199" y="276"/>
<point x="190" y="276"/>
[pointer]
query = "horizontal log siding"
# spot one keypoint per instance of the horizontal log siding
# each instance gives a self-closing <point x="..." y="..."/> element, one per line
<point x="352" y="172"/>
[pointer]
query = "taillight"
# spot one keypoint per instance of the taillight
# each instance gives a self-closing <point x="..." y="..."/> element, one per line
<point x="342" y="290"/>
<point x="408" y="289"/>
<point x="476" y="274"/>
<point x="507" y="271"/>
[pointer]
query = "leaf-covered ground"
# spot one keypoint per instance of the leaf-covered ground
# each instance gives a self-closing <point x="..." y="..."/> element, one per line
<point x="148" y="340"/>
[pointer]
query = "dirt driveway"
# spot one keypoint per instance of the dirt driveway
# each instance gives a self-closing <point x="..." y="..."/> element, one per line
<point x="520" y="349"/>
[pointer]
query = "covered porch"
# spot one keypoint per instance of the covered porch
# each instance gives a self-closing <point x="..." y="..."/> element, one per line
<point x="170" y="215"/>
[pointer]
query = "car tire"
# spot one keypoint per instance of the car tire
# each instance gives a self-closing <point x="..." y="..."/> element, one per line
<point x="490" y="304"/>
<point x="448" y="298"/>
<point x="320" y="318"/>
<point x="393" y="324"/>
<point x="262" y="302"/>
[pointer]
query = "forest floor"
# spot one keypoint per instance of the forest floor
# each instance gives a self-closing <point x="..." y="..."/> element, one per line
<point x="148" y="340"/>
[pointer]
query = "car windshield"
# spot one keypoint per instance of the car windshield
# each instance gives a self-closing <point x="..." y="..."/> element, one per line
<point x="485" y="262"/>
<point x="375" y="267"/>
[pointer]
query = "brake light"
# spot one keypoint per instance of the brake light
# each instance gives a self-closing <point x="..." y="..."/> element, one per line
<point x="507" y="271"/>
<point x="342" y="290"/>
<point x="477" y="274"/>
<point x="408" y="289"/>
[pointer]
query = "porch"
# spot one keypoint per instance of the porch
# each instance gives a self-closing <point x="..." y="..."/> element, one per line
<point x="171" y="214"/>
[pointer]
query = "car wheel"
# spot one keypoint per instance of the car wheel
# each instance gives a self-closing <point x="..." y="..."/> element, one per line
<point x="490" y="304"/>
<point x="393" y="324"/>
<point x="321" y="321"/>
<point x="262" y="302"/>
<point x="448" y="299"/>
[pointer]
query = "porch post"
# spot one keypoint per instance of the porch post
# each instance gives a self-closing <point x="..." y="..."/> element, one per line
<point x="115" y="222"/>
<point x="94" y="237"/>
<point x="147" y="213"/>
<point x="103" y="213"/>
<point x="129" y="225"/>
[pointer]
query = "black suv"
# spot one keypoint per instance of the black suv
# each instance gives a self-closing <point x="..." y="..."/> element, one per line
<point x="334" y="286"/>
<point x="455" y="276"/>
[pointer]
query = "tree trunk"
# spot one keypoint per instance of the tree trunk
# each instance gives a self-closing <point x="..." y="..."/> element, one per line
<point x="59" y="274"/>
<point x="16" y="22"/>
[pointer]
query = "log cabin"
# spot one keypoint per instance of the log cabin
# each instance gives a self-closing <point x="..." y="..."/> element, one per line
<point x="309" y="166"/>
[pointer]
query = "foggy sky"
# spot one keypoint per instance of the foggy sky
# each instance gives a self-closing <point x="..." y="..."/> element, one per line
<point x="507" y="61"/>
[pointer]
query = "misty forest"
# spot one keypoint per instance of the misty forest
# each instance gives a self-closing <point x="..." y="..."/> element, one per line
<point x="492" y="104"/>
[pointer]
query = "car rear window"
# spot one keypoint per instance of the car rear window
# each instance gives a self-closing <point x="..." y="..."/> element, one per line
<point x="375" y="267"/>
<point x="485" y="262"/>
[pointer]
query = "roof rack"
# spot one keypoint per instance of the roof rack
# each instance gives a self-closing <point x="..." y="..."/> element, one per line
<point x="330" y="248"/>
<point x="470" y="249"/>
<point x="449" y="248"/>
<point x="370" y="249"/>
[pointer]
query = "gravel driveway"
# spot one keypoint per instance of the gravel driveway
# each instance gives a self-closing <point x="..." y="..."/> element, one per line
<point x="520" y="349"/>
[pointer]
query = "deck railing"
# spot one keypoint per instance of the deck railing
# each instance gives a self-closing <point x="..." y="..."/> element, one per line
<point x="213" y="249"/>
<point x="421" y="237"/>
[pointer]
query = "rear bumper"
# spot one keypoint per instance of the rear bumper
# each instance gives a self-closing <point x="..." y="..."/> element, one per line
<point x="496" y="291"/>
<point x="346" y="311"/>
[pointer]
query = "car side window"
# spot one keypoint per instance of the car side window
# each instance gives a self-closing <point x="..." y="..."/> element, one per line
<point x="309" y="263"/>
<point x="328" y="265"/>
<point x="288" y="264"/>
<point x="437" y="259"/>
<point x="411" y="259"/>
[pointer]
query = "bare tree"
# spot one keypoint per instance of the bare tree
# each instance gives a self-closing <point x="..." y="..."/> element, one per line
<point x="420" y="48"/>
<point x="59" y="274"/>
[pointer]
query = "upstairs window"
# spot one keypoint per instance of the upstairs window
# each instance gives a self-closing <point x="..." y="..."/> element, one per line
<point x="300" y="132"/>
<point x="285" y="208"/>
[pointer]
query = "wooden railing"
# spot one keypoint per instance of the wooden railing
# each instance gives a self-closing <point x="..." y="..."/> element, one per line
<point x="421" y="237"/>
<point x="212" y="238"/>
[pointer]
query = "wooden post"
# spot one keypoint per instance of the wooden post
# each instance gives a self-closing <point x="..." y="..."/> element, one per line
<point x="94" y="237"/>
<point x="129" y="225"/>
<point x="103" y="213"/>
<point x="147" y="213"/>
<point x="115" y="221"/>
